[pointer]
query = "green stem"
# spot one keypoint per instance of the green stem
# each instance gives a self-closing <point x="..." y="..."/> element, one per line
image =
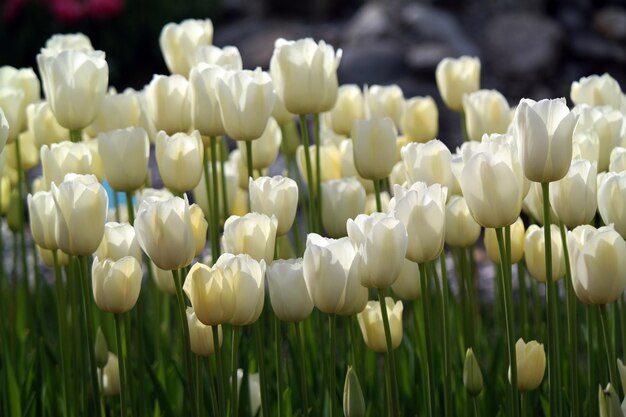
<point x="447" y="377"/>
<point x="521" y="279"/>
<point x="379" y="205"/>
<point x="318" y="169"/>
<point x="608" y="345"/>
<point x="198" y="385"/>
<point x="571" y="327"/>
<point x="223" y="153"/>
<point x="508" y="313"/>
<point x="214" y="385"/>
<point x="592" y="379"/>
<point x="393" y="401"/>
<point x="212" y="218"/>
<point x="258" y="338"/>
<point x="20" y="191"/>
<point x="76" y="135"/>
<point x="116" y="204"/>
<point x="249" y="159"/>
<point x="332" y="371"/>
<point x="221" y="402"/>
<point x="61" y="316"/>
<point x="279" y="384"/>
<point x="215" y="228"/>
<point x="129" y="208"/>
<point x="302" y="371"/>
<point x="182" y="321"/>
<point x="309" y="173"/>
<point x="474" y="402"/>
<point x="234" y="402"/>
<point x="429" y="354"/>
<point x="120" y="336"/>
<point x="553" y="370"/>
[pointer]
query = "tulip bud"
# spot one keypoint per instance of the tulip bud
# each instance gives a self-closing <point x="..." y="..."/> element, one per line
<point x="420" y="122"/>
<point x="4" y="130"/>
<point x="348" y="109"/>
<point x="429" y="162"/>
<point x="211" y="294"/>
<point x="374" y="147"/>
<point x="305" y="75"/>
<point x="75" y="83"/>
<point x="381" y="241"/>
<point x="574" y="197"/>
<point x="245" y="96"/>
<point x="618" y="160"/>
<point x="407" y="286"/>
<point x="486" y="112"/>
<point x="545" y="130"/>
<point x="341" y="200"/>
<point x="47" y="257"/>
<point x="111" y="377"/>
<point x="118" y="111"/>
<point x="11" y="103"/>
<point x="385" y="101"/>
<point x="597" y="260"/>
<point x="25" y="80"/>
<point x="472" y="375"/>
<point x="461" y="228"/>
<point x="167" y="103"/>
<point x="116" y="284"/>
<point x="179" y="159"/>
<point x="597" y="90"/>
<point x="289" y="295"/>
<point x="622" y="373"/>
<point x="165" y="233"/>
<point x="283" y="117"/>
<point x="265" y="148"/>
<point x="64" y="158"/>
<point x="253" y="234"/>
<point x="63" y="41"/>
<point x="276" y="196"/>
<point x="5" y="195"/>
<point x="330" y="158"/>
<point x="119" y="240"/>
<point x="179" y="43"/>
<point x="199" y="226"/>
<point x="163" y="279"/>
<point x="456" y="77"/>
<point x="531" y="364"/>
<point x="201" y="335"/>
<point x="534" y="253"/>
<point x="45" y="128"/>
<point x="43" y="217"/>
<point x="611" y="201"/>
<point x="371" y="324"/>
<point x="518" y="236"/>
<point x="608" y="402"/>
<point x="125" y="154"/>
<point x="14" y="219"/>
<point x="353" y="401"/>
<point x="81" y="204"/>
<point x="101" y="349"/>
<point x="205" y="107"/>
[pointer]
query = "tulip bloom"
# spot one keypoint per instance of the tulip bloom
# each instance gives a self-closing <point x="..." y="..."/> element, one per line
<point x="81" y="204"/>
<point x="597" y="90"/>
<point x="407" y="286"/>
<point x="4" y="130"/>
<point x="116" y="284"/>
<point x="265" y="148"/>
<point x="598" y="132"/>
<point x="381" y="242"/>
<point x="420" y="121"/>
<point x="289" y="295"/>
<point x="531" y="364"/>
<point x="118" y="111"/>
<point x="385" y="101"/>
<point x="227" y="57"/>
<point x="26" y="81"/>
<point x="617" y="160"/>
<point x="486" y="112"/>
<point x="201" y="335"/>
<point x="456" y="77"/>
<point x="43" y="217"/>
<point x="276" y="196"/>
<point x="371" y="324"/>
<point x="210" y="291"/>
<point x="349" y="108"/>
<point x="253" y="234"/>
<point x="119" y="240"/>
<point x="11" y="103"/>
<point x="206" y="115"/>
<point x="341" y="200"/>
<point x="167" y="103"/>
<point x="598" y="262"/>
<point x="111" y="376"/>
<point x="545" y="130"/>
<point x="43" y="125"/>
<point x="165" y="233"/>
<point x="461" y="228"/>
<point x="75" y="83"/>
<point x="180" y="41"/>
<point x="374" y="147"/>
<point x="574" y="197"/>
<point x="429" y="162"/>
<point x="305" y="75"/>
<point x="125" y="154"/>
<point x="534" y="253"/>
<point x="199" y="226"/>
<point x="611" y="201"/>
<point x="518" y="239"/>
<point x="179" y="158"/>
<point x="63" y="41"/>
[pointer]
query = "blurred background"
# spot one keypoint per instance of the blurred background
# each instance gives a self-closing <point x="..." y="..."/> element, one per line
<point x="528" y="48"/>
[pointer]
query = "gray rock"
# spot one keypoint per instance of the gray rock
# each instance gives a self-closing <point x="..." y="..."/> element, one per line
<point x="423" y="57"/>
<point x="378" y="63"/>
<point x="610" y="22"/>
<point x="370" y="23"/>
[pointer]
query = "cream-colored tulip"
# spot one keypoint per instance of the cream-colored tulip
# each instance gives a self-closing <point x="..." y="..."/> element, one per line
<point x="168" y="104"/>
<point x="305" y="75"/>
<point x="211" y="293"/>
<point x="486" y="112"/>
<point x="265" y="148"/>
<point x="374" y="147"/>
<point x="407" y="286"/>
<point x="331" y="275"/>
<point x="206" y="115"/>
<point x="43" y="125"/>
<point x="461" y="228"/>
<point x="180" y="41"/>
<point x="533" y="204"/>
<point x="11" y="103"/>
<point x="5" y="193"/>
<point x="116" y="284"/>
<point x="199" y="226"/>
<point x="201" y="335"/>
<point x="545" y="130"/>
<point x="179" y="158"/>
<point x="341" y="200"/>
<point x="232" y="179"/>
<point x="118" y="111"/>
<point x="289" y="295"/>
<point x="456" y="77"/>
<point x="227" y="57"/>
<point x="598" y="261"/>
<point x="349" y="108"/>
<point x="422" y="210"/>
<point x="385" y="101"/>
<point x="534" y="253"/>
<point x="606" y="125"/>
<point x="75" y="83"/>
<point x="111" y="376"/>
<point x="43" y="217"/>
<point x="63" y="41"/>
<point x="617" y="160"/>
<point x="119" y="240"/>
<point x="612" y="201"/>
<point x="492" y="181"/>
<point x="165" y="233"/>
<point x="348" y="168"/>
<point x="81" y="204"/>
<point x="163" y="279"/>
<point x="125" y="154"/>
<point x="531" y="364"/>
<point x="330" y="157"/>
<point x="23" y="79"/>
<point x="4" y="130"/>
<point x="585" y="144"/>
<point x="518" y="239"/>
<point x="63" y="158"/>
<point x="420" y="121"/>
<point x="371" y="206"/>
<point x="47" y="257"/>
<point x="253" y="234"/>
<point x="381" y="241"/>
<point x="429" y="162"/>
<point x="574" y="197"/>
<point x="398" y="175"/>
<point x="29" y="152"/>
<point x="276" y="196"/>
<point x="371" y="324"/>
<point x="246" y="102"/>
<point x="282" y="116"/>
<point x="597" y="90"/>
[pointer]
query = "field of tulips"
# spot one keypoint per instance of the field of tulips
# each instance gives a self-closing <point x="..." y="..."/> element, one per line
<point x="230" y="292"/>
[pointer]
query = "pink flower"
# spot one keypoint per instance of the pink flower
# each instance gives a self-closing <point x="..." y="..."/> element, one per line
<point x="67" y="10"/>
<point x="103" y="8"/>
<point x="12" y="8"/>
